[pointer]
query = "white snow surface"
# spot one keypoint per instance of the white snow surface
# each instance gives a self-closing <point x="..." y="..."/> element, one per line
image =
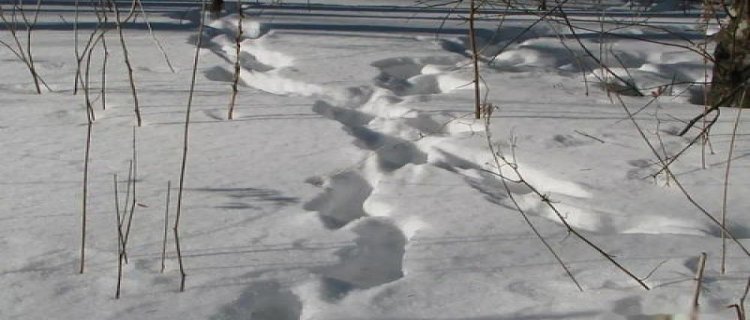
<point x="354" y="181"/>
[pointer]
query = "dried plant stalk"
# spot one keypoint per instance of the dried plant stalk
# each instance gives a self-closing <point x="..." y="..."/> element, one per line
<point x="186" y="135"/>
<point x="475" y="59"/>
<point x="126" y="57"/>
<point x="237" y="67"/>
<point x="698" y="286"/>
<point x="166" y="227"/>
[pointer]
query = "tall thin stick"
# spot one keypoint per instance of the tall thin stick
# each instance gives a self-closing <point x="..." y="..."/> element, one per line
<point x="117" y="208"/>
<point x="120" y="250"/>
<point x="103" y="91"/>
<point x="166" y="227"/>
<point x="237" y="51"/>
<point x="742" y="300"/>
<point x="475" y="60"/>
<point x="698" y="286"/>
<point x="85" y="194"/>
<point x="105" y="53"/>
<point x="126" y="57"/>
<point x="125" y="205"/>
<point x="87" y="54"/>
<point x="185" y="144"/>
<point x="133" y="198"/>
<point x="183" y="276"/>
<point x="75" y="44"/>
<point x="725" y="192"/>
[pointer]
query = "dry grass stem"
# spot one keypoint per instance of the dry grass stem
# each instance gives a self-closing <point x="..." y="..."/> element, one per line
<point x="698" y="287"/>
<point x="185" y="144"/>
<point x="166" y="227"/>
<point x="725" y="191"/>
<point x="237" y="67"/>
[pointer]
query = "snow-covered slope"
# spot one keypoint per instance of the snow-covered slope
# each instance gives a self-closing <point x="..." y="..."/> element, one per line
<point x="354" y="183"/>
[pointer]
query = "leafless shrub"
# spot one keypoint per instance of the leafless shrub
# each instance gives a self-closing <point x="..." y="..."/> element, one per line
<point x="22" y="52"/>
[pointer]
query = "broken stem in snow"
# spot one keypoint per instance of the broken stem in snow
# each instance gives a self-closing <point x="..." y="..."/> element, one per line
<point x="698" y="285"/>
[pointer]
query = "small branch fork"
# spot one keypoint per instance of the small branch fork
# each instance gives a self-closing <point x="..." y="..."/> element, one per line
<point x="501" y="161"/>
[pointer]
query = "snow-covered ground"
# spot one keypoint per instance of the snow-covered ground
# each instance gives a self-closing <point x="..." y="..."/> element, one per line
<point x="354" y="183"/>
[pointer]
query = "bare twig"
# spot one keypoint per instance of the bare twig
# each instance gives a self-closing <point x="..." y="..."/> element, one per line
<point x="125" y="205"/>
<point x="87" y="54"/>
<point x="714" y="108"/>
<point x="742" y="300"/>
<point x="698" y="286"/>
<point x="118" y="24"/>
<point x="185" y="143"/>
<point x="166" y="227"/>
<point x="677" y="181"/>
<point x="120" y="250"/>
<point x="487" y="115"/>
<point x="591" y="55"/>
<point x="29" y="28"/>
<point x="725" y="192"/>
<point x="103" y="20"/>
<point x="23" y="53"/>
<point x="133" y="199"/>
<point x="179" y="255"/>
<point x="153" y="36"/>
<point x="588" y="136"/>
<point x="237" y="69"/>
<point x="84" y="200"/>
<point x="475" y="59"/>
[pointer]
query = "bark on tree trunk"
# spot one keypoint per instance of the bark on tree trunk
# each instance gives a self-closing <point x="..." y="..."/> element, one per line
<point x="729" y="86"/>
<point x="216" y="6"/>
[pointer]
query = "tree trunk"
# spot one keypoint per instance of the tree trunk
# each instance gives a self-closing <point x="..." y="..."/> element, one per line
<point x="729" y="86"/>
<point x="216" y="6"/>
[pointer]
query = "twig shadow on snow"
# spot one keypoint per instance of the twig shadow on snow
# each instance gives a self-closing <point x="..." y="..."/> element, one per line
<point x="486" y="183"/>
<point x="243" y="198"/>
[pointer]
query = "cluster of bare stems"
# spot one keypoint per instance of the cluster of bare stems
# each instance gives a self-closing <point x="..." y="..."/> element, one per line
<point x="501" y="161"/>
<point x="21" y="51"/>
<point x="624" y="86"/>
<point x="237" y="63"/>
<point x="17" y="15"/>
<point x="98" y="38"/>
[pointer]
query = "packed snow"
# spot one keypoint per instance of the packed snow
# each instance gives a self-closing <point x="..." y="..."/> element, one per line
<point x="354" y="181"/>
